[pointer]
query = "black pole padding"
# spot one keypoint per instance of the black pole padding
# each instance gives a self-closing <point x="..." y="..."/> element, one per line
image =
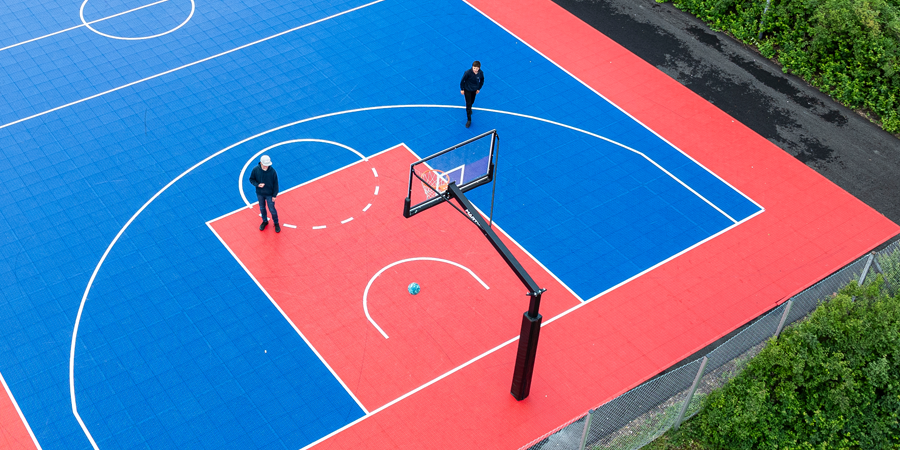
<point x="528" y="340"/>
<point x="406" y="207"/>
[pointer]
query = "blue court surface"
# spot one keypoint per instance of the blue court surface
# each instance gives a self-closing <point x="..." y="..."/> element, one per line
<point x="116" y="300"/>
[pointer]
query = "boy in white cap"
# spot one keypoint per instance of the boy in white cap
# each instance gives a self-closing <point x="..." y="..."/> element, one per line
<point x="264" y="178"/>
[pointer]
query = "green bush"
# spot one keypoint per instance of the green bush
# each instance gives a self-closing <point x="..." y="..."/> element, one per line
<point x="850" y="49"/>
<point x="829" y="382"/>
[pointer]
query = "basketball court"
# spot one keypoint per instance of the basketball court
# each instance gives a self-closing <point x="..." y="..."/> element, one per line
<point x="142" y="307"/>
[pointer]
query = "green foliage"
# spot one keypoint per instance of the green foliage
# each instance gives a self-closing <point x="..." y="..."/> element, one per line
<point x="829" y="382"/>
<point x="850" y="49"/>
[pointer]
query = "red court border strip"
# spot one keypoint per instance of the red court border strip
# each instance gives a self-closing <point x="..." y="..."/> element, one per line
<point x="810" y="229"/>
<point x="15" y="433"/>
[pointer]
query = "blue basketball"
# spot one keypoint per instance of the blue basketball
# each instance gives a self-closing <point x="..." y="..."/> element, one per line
<point x="413" y="288"/>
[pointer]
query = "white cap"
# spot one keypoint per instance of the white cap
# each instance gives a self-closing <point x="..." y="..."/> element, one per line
<point x="265" y="160"/>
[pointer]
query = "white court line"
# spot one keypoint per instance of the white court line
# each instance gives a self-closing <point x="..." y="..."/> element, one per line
<point x="641" y="154"/>
<point x="422" y="258"/>
<point x="210" y="157"/>
<point x="376" y="190"/>
<point x="186" y="66"/>
<point x="81" y="25"/>
<point x="642" y="273"/>
<point x="533" y="258"/>
<point x="290" y="226"/>
<point x="367" y="207"/>
<point x="19" y="411"/>
<point x="333" y="373"/>
<point x="404" y="396"/>
<point x="617" y="107"/>
<point x="346" y="220"/>
<point x="375" y="172"/>
<point x="320" y="227"/>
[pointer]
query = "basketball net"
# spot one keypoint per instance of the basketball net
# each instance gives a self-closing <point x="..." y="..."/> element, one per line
<point x="434" y="180"/>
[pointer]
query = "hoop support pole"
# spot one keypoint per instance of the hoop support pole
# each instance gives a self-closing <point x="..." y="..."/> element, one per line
<point x="531" y="322"/>
<point x="495" y="147"/>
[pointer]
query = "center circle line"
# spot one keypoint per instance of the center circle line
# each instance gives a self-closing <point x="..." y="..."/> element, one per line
<point x="88" y="24"/>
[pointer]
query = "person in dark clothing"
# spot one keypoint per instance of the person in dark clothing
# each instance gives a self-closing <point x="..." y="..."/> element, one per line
<point x="265" y="179"/>
<point x="470" y="86"/>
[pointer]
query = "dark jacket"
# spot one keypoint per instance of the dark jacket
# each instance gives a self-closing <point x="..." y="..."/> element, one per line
<point x="472" y="81"/>
<point x="268" y="176"/>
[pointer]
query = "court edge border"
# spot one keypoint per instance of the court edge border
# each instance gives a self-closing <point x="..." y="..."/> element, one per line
<point x="19" y="411"/>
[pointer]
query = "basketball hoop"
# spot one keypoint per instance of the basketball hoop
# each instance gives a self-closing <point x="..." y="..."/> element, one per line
<point x="468" y="164"/>
<point x="434" y="180"/>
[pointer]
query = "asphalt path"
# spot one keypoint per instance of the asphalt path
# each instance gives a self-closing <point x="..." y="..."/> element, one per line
<point x="837" y="142"/>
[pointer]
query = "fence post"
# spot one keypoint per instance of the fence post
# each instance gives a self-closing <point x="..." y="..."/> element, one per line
<point x="865" y="272"/>
<point x="762" y="20"/>
<point x="586" y="432"/>
<point x="884" y="275"/>
<point x="690" y="395"/>
<point x="784" y="316"/>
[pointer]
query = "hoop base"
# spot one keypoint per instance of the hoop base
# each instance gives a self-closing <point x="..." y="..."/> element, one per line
<point x="528" y="340"/>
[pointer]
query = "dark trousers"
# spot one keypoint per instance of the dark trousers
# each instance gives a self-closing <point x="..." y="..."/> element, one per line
<point x="263" y="201"/>
<point x="470" y="99"/>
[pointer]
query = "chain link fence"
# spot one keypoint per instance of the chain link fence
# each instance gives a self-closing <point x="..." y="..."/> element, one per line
<point x="644" y="413"/>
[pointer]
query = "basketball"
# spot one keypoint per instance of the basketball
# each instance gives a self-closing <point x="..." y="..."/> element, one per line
<point x="413" y="288"/>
